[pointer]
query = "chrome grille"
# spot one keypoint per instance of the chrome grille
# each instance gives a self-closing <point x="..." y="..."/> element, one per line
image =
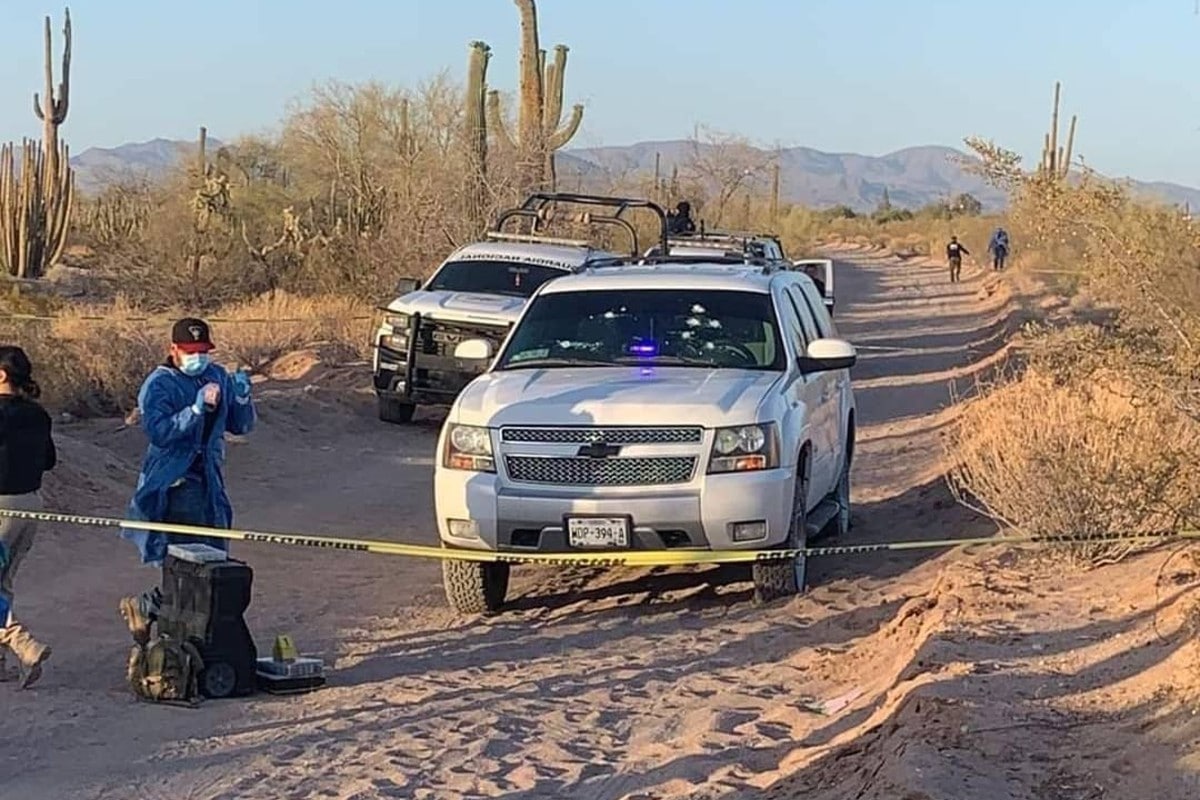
<point x="572" y="471"/>
<point x="611" y="435"/>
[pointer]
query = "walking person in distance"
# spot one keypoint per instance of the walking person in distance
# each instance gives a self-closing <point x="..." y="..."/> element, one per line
<point x="954" y="253"/>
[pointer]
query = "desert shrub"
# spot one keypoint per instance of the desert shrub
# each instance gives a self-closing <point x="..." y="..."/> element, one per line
<point x="1086" y="441"/>
<point x="95" y="367"/>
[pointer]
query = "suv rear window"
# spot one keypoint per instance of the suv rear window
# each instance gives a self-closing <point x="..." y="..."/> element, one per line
<point x="492" y="277"/>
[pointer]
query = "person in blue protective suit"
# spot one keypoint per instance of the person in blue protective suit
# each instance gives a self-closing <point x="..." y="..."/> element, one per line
<point x="998" y="247"/>
<point x="187" y="405"/>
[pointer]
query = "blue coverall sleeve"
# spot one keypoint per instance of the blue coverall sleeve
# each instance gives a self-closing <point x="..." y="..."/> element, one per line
<point x="240" y="419"/>
<point x="163" y="424"/>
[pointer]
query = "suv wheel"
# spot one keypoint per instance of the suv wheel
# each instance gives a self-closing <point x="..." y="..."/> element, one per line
<point x="395" y="411"/>
<point x="785" y="577"/>
<point x="840" y="525"/>
<point x="475" y="587"/>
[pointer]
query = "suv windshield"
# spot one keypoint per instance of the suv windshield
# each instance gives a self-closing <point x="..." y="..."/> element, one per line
<point x="492" y="277"/>
<point x="666" y="327"/>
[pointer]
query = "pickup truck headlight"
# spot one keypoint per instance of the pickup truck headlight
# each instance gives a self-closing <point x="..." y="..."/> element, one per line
<point x="745" y="448"/>
<point x="397" y="337"/>
<point x="469" y="447"/>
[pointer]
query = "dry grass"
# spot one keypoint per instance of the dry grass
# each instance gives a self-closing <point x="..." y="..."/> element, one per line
<point x="90" y="367"/>
<point x="1100" y="455"/>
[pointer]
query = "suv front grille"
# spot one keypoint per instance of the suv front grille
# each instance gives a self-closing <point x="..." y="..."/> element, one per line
<point x="573" y="471"/>
<point x="610" y="435"/>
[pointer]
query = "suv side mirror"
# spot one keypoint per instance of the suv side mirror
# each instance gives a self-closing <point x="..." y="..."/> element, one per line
<point x="473" y="350"/>
<point x="826" y="355"/>
<point x="406" y="285"/>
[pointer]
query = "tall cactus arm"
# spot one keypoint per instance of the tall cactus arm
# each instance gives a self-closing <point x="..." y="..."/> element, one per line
<point x="495" y="119"/>
<point x="560" y="137"/>
<point x="56" y="106"/>
<point x="530" y="116"/>
<point x="58" y="210"/>
<point x="555" y="73"/>
<point x="1066" y="164"/>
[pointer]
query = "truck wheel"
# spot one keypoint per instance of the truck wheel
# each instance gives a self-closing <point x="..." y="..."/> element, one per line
<point x="395" y="411"/>
<point x="475" y="587"/>
<point x="784" y="577"/>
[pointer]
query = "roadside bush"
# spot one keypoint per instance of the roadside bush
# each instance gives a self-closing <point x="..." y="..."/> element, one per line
<point x="95" y="367"/>
<point x="1085" y="442"/>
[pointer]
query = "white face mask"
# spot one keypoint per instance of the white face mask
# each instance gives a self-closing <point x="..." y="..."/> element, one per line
<point x="193" y="363"/>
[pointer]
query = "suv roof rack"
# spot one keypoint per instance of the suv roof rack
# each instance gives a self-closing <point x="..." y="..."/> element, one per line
<point x="733" y="259"/>
<point x="538" y="208"/>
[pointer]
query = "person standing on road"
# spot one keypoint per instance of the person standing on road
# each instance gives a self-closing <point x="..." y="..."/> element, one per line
<point x="26" y="452"/>
<point x="998" y="247"/>
<point x="187" y="405"/>
<point x="954" y="254"/>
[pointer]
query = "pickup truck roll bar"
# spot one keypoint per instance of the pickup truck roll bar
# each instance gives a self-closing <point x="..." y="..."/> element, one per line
<point x="538" y="208"/>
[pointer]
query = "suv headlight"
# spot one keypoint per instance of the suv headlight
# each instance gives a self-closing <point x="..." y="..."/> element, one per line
<point x="398" y="322"/>
<point x="744" y="448"/>
<point x="469" y="447"/>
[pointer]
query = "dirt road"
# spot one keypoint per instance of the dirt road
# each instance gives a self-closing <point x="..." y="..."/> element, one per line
<point x="896" y="676"/>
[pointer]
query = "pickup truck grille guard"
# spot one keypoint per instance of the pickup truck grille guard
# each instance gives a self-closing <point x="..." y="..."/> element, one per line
<point x="431" y="344"/>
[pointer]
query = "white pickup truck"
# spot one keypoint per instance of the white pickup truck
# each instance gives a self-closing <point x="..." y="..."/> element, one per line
<point x="478" y="292"/>
<point x="650" y="406"/>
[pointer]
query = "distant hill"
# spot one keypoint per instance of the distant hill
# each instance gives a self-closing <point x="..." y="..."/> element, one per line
<point x="913" y="177"/>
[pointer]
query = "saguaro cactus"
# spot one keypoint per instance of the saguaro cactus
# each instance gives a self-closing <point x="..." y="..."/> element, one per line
<point x="475" y="129"/>
<point x="51" y="109"/>
<point x="540" y="127"/>
<point x="35" y="208"/>
<point x="1056" y="161"/>
<point x="36" y="198"/>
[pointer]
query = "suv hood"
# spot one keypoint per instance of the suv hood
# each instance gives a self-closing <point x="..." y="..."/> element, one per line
<point x="614" y="396"/>
<point x="461" y="306"/>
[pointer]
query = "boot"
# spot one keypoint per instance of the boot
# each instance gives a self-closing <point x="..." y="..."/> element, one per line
<point x="29" y="652"/>
<point x="140" y="612"/>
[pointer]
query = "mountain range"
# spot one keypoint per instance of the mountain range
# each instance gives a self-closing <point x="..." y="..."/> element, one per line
<point x="912" y="177"/>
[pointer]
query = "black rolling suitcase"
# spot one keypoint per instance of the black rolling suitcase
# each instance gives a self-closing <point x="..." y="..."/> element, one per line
<point x="204" y="600"/>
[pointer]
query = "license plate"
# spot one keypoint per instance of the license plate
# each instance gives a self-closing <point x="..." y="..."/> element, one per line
<point x="598" y="532"/>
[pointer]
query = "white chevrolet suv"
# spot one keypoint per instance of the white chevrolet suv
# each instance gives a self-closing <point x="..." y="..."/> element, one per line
<point x="650" y="406"/>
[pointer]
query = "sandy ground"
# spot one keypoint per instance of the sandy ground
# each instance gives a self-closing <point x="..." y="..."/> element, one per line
<point x="929" y="676"/>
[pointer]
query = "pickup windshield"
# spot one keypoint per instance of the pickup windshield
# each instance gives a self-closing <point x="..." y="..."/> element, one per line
<point x="492" y="277"/>
<point x="653" y="327"/>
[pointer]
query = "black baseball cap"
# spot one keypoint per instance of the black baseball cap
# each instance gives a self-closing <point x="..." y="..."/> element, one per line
<point x="192" y="335"/>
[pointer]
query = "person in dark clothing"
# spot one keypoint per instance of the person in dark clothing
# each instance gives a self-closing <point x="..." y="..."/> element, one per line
<point x="954" y="254"/>
<point x="680" y="221"/>
<point x="26" y="451"/>
<point x="187" y="406"/>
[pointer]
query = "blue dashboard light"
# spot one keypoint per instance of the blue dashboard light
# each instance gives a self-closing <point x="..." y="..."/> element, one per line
<point x="643" y="347"/>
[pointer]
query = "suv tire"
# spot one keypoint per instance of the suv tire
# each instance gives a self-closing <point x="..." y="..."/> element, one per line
<point x="475" y="587"/>
<point x="840" y="525"/>
<point x="786" y="577"/>
<point x="396" y="412"/>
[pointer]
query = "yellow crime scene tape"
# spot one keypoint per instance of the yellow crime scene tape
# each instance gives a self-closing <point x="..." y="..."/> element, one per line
<point x="630" y="558"/>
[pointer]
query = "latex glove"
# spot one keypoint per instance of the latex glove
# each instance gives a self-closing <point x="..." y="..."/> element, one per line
<point x="207" y="398"/>
<point x="241" y="385"/>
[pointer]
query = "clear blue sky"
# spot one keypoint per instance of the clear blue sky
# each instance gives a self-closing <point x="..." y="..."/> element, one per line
<point x="867" y="76"/>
